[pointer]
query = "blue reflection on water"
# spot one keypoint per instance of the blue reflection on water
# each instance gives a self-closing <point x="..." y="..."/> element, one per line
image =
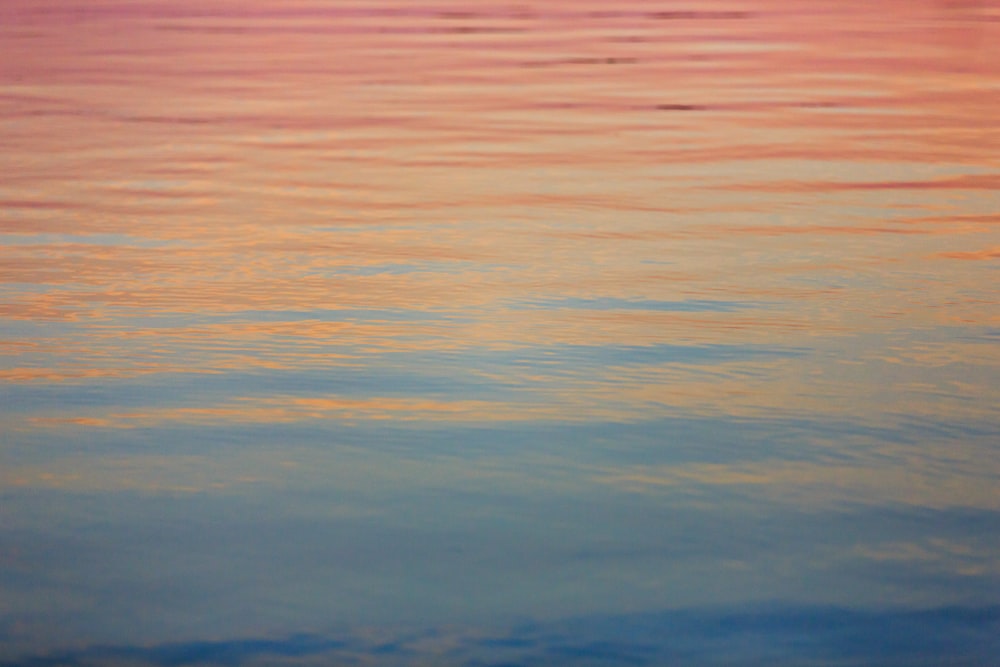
<point x="485" y="374"/>
<point x="608" y="303"/>
<point x="763" y="636"/>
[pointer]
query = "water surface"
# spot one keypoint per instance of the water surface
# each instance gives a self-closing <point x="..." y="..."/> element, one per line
<point x="540" y="333"/>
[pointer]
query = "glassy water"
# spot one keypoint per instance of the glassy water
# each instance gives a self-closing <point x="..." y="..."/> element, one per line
<point x="531" y="333"/>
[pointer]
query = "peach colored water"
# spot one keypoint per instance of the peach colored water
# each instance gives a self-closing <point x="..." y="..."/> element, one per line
<point x="482" y="333"/>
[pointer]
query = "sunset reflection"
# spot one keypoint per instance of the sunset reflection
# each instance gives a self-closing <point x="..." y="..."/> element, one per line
<point x="545" y="333"/>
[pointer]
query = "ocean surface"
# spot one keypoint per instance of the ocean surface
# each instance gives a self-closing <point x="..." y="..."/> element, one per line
<point x="529" y="333"/>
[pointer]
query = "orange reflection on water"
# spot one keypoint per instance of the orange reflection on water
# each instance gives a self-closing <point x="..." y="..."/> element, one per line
<point x="220" y="187"/>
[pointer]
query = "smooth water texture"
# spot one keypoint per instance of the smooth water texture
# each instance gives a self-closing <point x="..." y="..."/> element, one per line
<point x="483" y="333"/>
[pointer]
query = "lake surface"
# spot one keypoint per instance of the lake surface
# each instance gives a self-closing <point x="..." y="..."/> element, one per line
<point x="532" y="333"/>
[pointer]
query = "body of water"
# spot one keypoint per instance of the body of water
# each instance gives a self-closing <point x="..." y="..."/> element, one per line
<point x="484" y="333"/>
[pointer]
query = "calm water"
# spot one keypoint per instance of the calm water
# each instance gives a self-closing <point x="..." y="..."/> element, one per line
<point x="534" y="333"/>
